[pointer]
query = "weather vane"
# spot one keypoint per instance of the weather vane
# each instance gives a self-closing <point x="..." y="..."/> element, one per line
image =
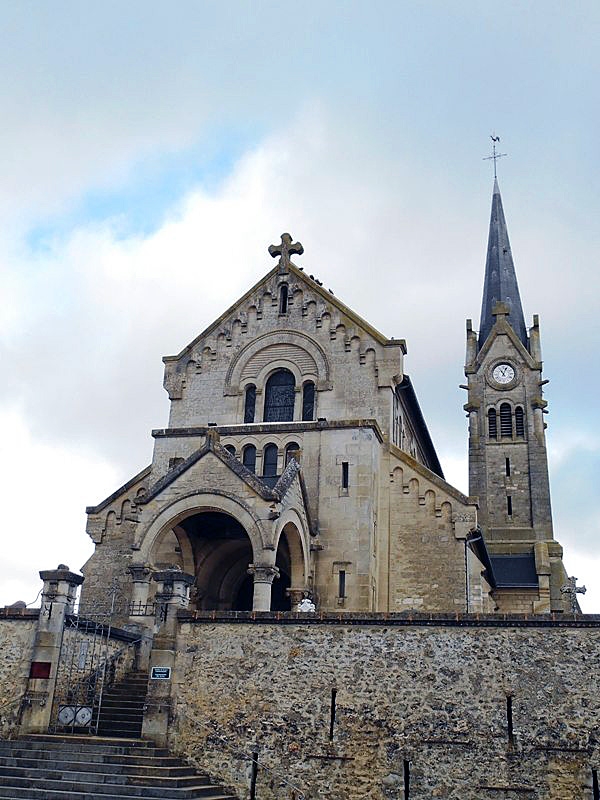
<point x="495" y="156"/>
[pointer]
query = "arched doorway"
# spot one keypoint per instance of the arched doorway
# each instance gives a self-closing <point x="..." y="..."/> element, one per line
<point x="222" y="553"/>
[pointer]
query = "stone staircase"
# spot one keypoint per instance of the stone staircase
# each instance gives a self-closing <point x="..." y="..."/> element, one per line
<point x="122" y="710"/>
<point x="53" y="767"/>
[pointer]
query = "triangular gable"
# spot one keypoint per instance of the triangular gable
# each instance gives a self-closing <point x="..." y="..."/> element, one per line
<point x="502" y="326"/>
<point x="231" y="462"/>
<point x="315" y="287"/>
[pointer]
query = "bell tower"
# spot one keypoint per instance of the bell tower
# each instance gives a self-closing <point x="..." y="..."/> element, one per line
<point x="508" y="464"/>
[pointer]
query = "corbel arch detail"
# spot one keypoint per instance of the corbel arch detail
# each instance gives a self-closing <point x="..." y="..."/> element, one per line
<point x="290" y="346"/>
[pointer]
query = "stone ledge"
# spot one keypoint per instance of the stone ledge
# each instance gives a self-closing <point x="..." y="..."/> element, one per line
<point x="401" y="619"/>
<point x="295" y="426"/>
<point x="23" y="614"/>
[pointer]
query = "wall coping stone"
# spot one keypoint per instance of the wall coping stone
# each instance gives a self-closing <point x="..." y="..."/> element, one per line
<point x="22" y="614"/>
<point x="400" y="619"/>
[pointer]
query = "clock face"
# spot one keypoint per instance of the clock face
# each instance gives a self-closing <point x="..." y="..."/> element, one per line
<point x="503" y="373"/>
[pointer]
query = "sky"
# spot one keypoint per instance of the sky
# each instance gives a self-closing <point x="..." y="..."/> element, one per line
<point x="152" y="151"/>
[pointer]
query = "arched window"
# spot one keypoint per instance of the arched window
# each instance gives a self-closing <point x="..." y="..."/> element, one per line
<point x="250" y="403"/>
<point x="270" y="475"/>
<point x="291" y="451"/>
<point x="283" y="298"/>
<point x="519" y="421"/>
<point x="308" y="401"/>
<point x="492" y="424"/>
<point x="279" y="397"/>
<point x="249" y="457"/>
<point x="506" y="428"/>
<point x="270" y="460"/>
<point x="230" y="449"/>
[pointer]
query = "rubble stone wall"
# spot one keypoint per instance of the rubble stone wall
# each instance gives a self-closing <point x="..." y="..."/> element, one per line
<point x="461" y="707"/>
<point x="16" y="644"/>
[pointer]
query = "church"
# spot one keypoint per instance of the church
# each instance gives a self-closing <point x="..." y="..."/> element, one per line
<point x="297" y="465"/>
<point x="293" y="599"/>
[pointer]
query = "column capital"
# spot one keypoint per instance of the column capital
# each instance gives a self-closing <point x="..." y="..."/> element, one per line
<point x="263" y="573"/>
<point x="140" y="573"/>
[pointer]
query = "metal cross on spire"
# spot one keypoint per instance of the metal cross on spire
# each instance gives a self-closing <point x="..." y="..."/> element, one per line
<point x="285" y="250"/>
<point x="573" y="590"/>
<point x="495" y="156"/>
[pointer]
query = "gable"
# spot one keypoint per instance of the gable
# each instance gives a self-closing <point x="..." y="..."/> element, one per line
<point x="311" y="311"/>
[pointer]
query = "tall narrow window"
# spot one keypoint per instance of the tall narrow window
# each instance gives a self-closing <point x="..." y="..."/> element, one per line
<point x="291" y="451"/>
<point x="506" y="429"/>
<point x="283" y="298"/>
<point x="279" y="397"/>
<point x="345" y="475"/>
<point x="249" y="457"/>
<point x="342" y="583"/>
<point x="507" y="465"/>
<point x="250" y="403"/>
<point x="230" y="449"/>
<point x="509" y="505"/>
<point x="270" y="461"/>
<point x="308" y="401"/>
<point x="492" y="425"/>
<point x="519" y="422"/>
<point x="595" y="787"/>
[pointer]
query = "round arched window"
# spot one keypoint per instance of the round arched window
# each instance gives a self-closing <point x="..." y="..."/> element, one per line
<point x="279" y="397"/>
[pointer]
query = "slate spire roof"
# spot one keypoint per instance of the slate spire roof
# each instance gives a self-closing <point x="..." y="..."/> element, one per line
<point x="500" y="276"/>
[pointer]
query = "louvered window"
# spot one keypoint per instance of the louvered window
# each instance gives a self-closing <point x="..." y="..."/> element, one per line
<point x="506" y="428"/>
<point x="279" y="397"/>
<point x="283" y="299"/>
<point x="250" y="403"/>
<point x="519" y="421"/>
<point x="249" y="457"/>
<point x="492" y="424"/>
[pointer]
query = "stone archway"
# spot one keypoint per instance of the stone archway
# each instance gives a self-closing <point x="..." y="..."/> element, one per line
<point x="292" y="564"/>
<point x="222" y="553"/>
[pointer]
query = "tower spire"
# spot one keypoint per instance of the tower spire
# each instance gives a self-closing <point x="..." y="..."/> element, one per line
<point x="500" y="277"/>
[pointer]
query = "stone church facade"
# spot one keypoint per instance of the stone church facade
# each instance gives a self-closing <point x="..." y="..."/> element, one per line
<point x="297" y="463"/>
<point x="297" y="583"/>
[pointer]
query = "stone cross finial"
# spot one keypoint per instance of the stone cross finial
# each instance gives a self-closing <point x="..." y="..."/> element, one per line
<point x="573" y="590"/>
<point x="285" y="250"/>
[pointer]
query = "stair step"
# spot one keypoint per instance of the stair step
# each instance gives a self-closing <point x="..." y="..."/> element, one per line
<point x="107" y="791"/>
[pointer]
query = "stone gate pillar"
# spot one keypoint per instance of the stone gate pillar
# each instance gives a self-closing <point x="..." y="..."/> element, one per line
<point x="173" y="593"/>
<point x="140" y="620"/>
<point x="58" y="599"/>
<point x="264" y="575"/>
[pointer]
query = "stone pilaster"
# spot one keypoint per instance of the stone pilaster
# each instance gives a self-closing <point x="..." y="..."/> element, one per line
<point x="173" y="593"/>
<point x="58" y="599"/>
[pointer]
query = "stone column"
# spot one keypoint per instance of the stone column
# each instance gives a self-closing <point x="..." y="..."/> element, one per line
<point x="140" y="620"/>
<point x="263" y="575"/>
<point x="172" y="594"/>
<point x="58" y="599"/>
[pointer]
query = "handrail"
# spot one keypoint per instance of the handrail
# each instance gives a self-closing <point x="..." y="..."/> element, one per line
<point x="249" y="757"/>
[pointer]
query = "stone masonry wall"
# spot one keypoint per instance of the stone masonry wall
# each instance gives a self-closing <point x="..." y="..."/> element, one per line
<point x="424" y="697"/>
<point x="16" y="643"/>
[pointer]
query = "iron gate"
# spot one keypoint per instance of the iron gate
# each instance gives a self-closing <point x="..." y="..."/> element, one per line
<point x="94" y="653"/>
